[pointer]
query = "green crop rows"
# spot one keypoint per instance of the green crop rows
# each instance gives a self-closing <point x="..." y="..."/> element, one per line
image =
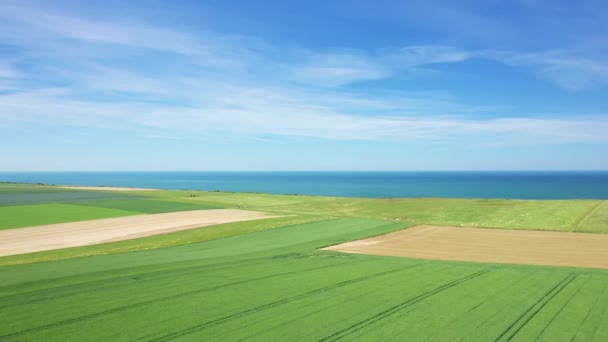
<point x="19" y="195"/>
<point x="268" y="280"/>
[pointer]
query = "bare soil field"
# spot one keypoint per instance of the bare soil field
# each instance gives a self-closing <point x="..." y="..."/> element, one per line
<point x="73" y="234"/>
<point x="104" y="188"/>
<point x="487" y="245"/>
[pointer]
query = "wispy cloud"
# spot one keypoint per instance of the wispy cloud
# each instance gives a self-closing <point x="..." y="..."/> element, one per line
<point x="335" y="69"/>
<point x="279" y="112"/>
<point x="7" y="70"/>
<point x="430" y="54"/>
<point x="109" y="74"/>
<point x="568" y="69"/>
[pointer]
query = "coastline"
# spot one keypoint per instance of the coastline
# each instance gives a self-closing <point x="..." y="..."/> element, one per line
<point x="524" y="185"/>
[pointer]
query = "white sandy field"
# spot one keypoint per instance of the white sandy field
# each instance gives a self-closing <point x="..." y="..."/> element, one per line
<point x="83" y="233"/>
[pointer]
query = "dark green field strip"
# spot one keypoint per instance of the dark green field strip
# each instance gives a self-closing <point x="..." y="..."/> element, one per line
<point x="308" y="236"/>
<point x="9" y="198"/>
<point x="118" y="280"/>
<point x="173" y="293"/>
<point x="12" y="187"/>
<point x="147" y="206"/>
<point x="51" y="213"/>
<point x="74" y="272"/>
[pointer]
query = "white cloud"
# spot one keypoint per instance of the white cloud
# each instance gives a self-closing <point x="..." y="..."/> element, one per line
<point x="430" y="54"/>
<point x="568" y="69"/>
<point x="336" y="69"/>
<point x="43" y="32"/>
<point x="163" y="83"/>
<point x="283" y="112"/>
<point x="7" y="70"/>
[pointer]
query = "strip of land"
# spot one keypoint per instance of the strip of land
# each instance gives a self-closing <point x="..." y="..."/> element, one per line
<point x="104" y="188"/>
<point x="487" y="245"/>
<point x="73" y="234"/>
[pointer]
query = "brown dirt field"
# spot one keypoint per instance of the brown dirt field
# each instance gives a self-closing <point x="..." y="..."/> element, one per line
<point x="73" y="234"/>
<point x="104" y="188"/>
<point x="487" y="245"/>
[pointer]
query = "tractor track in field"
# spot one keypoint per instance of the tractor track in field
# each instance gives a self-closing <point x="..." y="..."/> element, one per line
<point x="587" y="213"/>
<point x="157" y="300"/>
<point x="205" y="325"/>
<point x="484" y="301"/>
<point x="394" y="309"/>
<point x="182" y="271"/>
<point x="357" y="313"/>
<point x="589" y="313"/>
<point x="338" y="304"/>
<point x="529" y="313"/>
<point x="561" y="309"/>
<point x="488" y="318"/>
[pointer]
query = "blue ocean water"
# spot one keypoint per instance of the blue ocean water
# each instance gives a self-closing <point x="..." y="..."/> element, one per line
<point x="520" y="185"/>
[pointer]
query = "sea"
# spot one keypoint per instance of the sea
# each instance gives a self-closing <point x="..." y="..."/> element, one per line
<point x="477" y="184"/>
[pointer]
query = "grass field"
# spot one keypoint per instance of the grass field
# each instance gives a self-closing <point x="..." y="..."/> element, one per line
<point x="268" y="280"/>
<point x="49" y="213"/>
<point x="27" y="194"/>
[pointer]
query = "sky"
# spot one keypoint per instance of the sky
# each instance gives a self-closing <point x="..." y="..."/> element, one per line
<point x="303" y="85"/>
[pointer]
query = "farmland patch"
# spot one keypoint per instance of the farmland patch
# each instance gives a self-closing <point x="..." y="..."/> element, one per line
<point x="147" y="206"/>
<point x="488" y="245"/>
<point x="73" y="234"/>
<point x="50" y="213"/>
<point x="42" y="195"/>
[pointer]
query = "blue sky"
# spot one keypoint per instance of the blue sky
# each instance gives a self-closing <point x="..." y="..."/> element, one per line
<point x="303" y="85"/>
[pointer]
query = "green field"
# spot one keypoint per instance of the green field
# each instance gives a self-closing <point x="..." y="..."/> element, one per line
<point x="48" y="213"/>
<point x="267" y="280"/>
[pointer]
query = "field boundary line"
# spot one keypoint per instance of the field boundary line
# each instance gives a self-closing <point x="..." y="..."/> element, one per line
<point x="205" y="325"/>
<point x="326" y="248"/>
<point x="522" y="320"/>
<point x="394" y="309"/>
<point x="588" y="213"/>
